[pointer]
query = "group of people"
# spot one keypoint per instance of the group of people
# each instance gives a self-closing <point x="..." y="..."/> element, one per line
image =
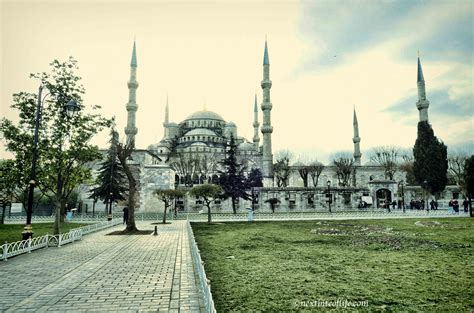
<point x="454" y="206"/>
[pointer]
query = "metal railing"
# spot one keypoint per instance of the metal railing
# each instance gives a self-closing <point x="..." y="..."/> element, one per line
<point x="8" y="250"/>
<point x="205" y="286"/>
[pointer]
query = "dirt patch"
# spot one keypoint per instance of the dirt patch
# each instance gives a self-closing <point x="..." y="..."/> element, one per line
<point x="328" y="232"/>
<point x="429" y="224"/>
<point x="127" y="233"/>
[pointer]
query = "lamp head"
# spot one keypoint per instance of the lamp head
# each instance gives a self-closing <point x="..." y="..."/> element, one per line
<point x="71" y="108"/>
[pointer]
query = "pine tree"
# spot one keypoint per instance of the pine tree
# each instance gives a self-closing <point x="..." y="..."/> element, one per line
<point x="111" y="179"/>
<point x="430" y="165"/>
<point x="233" y="181"/>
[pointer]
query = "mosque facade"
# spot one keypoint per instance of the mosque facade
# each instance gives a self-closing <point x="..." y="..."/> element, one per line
<point x="202" y="137"/>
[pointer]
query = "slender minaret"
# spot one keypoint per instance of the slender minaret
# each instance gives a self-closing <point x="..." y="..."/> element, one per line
<point x="356" y="140"/>
<point x="167" y="119"/>
<point x="267" y="129"/>
<point x="256" y="138"/>
<point x="131" y="130"/>
<point x="422" y="104"/>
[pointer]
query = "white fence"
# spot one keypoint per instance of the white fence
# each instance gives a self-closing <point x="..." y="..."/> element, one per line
<point x="199" y="266"/>
<point x="8" y="250"/>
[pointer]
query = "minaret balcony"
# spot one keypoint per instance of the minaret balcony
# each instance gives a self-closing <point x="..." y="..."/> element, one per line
<point x="256" y="124"/>
<point x="266" y="106"/>
<point x="132" y="84"/>
<point x="266" y="83"/>
<point x="267" y="129"/>
<point x="422" y="104"/>
<point x="131" y="106"/>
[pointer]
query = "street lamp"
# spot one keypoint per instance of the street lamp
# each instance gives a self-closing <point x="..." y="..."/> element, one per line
<point x="329" y="194"/>
<point x="425" y="187"/>
<point x="402" y="184"/>
<point x="70" y="109"/>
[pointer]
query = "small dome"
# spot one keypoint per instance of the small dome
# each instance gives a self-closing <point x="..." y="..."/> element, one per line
<point x="200" y="132"/>
<point x="246" y="146"/>
<point x="172" y="125"/>
<point x="204" y="115"/>
<point x="230" y="124"/>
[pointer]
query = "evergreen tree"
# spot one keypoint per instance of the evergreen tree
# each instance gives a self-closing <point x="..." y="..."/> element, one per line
<point x="254" y="179"/>
<point x="111" y="179"/>
<point x="233" y="180"/>
<point x="430" y="165"/>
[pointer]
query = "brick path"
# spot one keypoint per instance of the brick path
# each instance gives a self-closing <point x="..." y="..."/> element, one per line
<point x="105" y="273"/>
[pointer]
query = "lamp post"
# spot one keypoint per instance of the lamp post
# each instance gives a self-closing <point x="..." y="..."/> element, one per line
<point x="70" y="108"/>
<point x="425" y="187"/>
<point x="111" y="195"/>
<point x="402" y="184"/>
<point x="330" y="196"/>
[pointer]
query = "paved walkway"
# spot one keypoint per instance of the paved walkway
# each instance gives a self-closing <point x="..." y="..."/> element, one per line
<point x="105" y="273"/>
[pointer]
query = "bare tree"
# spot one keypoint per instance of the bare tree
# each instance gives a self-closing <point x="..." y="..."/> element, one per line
<point x="185" y="165"/>
<point x="388" y="157"/>
<point x="315" y="169"/>
<point x="406" y="164"/>
<point x="207" y="165"/>
<point x="281" y="169"/>
<point x="344" y="164"/>
<point x="456" y="164"/>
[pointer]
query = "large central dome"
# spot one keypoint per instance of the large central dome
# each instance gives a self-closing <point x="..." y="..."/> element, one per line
<point x="204" y="115"/>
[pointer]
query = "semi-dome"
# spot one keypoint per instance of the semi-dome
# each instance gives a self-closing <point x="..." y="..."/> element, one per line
<point x="200" y="132"/>
<point x="204" y="115"/>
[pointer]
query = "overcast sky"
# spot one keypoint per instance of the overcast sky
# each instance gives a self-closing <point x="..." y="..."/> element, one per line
<point x="326" y="57"/>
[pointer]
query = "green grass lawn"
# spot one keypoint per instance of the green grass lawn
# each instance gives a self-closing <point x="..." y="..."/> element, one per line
<point x="12" y="232"/>
<point x="391" y="264"/>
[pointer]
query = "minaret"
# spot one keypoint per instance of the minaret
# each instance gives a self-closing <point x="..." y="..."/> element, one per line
<point x="167" y="119"/>
<point x="256" y="138"/>
<point x="267" y="129"/>
<point x="356" y="140"/>
<point x="131" y="130"/>
<point x="422" y="104"/>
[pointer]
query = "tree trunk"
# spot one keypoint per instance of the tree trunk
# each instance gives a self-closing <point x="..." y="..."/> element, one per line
<point x="233" y="205"/>
<point x="57" y="217"/>
<point x="208" y="204"/>
<point x="131" y="227"/>
<point x="164" y="213"/>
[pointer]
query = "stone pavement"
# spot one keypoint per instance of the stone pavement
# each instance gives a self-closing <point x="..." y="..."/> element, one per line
<point x="106" y="273"/>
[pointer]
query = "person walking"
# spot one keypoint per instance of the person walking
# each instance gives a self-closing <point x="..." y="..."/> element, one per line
<point x="125" y="215"/>
<point x="465" y="205"/>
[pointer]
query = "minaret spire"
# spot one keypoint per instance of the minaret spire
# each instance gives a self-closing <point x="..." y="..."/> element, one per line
<point x="422" y="104"/>
<point x="131" y="130"/>
<point x="256" y="138"/>
<point x="356" y="140"/>
<point x="267" y="129"/>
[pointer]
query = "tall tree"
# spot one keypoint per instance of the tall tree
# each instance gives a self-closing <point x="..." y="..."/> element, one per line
<point x="281" y="169"/>
<point x="431" y="162"/>
<point x="111" y="179"/>
<point x="185" y="165"/>
<point x="388" y="158"/>
<point x="168" y="196"/>
<point x="64" y="146"/>
<point x="124" y="152"/>
<point x="208" y="193"/>
<point x="344" y="164"/>
<point x="233" y="180"/>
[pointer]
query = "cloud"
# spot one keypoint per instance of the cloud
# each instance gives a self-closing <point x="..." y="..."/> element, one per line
<point x="440" y="29"/>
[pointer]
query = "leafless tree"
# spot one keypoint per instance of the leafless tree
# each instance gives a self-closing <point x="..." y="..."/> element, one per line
<point x="185" y="165"/>
<point x="388" y="157"/>
<point x="406" y="164"/>
<point x="315" y="169"/>
<point x="344" y="164"/>
<point x="281" y="169"/>
<point x="456" y="164"/>
<point x="207" y="165"/>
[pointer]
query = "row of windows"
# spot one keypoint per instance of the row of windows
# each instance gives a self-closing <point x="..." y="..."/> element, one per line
<point x="204" y="124"/>
<point x="201" y="138"/>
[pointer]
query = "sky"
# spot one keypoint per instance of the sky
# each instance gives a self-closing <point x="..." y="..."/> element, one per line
<point x="326" y="58"/>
